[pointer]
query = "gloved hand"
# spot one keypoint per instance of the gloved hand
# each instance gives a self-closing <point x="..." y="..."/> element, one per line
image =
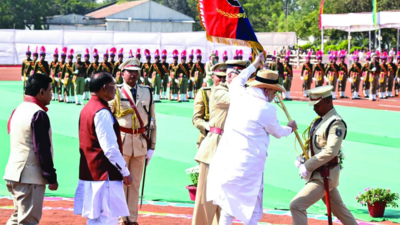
<point x="141" y="79"/>
<point x="176" y="81"/>
<point x="162" y="81"/>
<point x="56" y="79"/>
<point x="169" y="79"/>
<point x="314" y="79"/>
<point x="304" y="173"/>
<point x="22" y="78"/>
<point x="207" y="127"/>
<point x="63" y="81"/>
<point x="302" y="78"/>
<point x="326" y="79"/>
<point x="149" y="155"/>
<point x="297" y="162"/>
<point x="362" y="78"/>
<point x="192" y="79"/>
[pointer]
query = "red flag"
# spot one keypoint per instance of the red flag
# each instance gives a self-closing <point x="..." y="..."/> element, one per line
<point x="321" y="11"/>
<point x="226" y="22"/>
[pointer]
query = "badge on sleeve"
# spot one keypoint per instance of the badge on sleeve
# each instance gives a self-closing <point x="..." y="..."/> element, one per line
<point x="339" y="132"/>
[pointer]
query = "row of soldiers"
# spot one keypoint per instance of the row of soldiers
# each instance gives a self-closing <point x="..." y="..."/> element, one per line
<point x="376" y="77"/>
<point x="71" y="79"/>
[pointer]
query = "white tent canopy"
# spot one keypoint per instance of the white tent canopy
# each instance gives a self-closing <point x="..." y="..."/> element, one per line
<point x="358" y="22"/>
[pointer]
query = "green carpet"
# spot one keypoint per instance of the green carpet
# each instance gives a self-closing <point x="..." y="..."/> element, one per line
<point x="372" y="153"/>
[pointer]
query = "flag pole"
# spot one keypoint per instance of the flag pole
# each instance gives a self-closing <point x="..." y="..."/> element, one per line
<point x="295" y="132"/>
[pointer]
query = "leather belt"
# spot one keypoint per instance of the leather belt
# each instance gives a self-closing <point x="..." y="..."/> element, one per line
<point x="216" y="130"/>
<point x="131" y="131"/>
<point x="331" y="164"/>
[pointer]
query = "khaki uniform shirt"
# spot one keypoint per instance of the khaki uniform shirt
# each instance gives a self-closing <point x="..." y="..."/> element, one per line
<point x="219" y="105"/>
<point x="326" y="147"/>
<point x="134" y="144"/>
<point x="201" y="112"/>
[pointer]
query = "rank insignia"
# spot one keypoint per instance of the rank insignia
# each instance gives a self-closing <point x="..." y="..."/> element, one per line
<point x="339" y="132"/>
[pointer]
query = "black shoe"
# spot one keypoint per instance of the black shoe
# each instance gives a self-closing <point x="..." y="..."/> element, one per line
<point x="345" y="97"/>
<point x="373" y="100"/>
<point x="334" y="98"/>
<point x="366" y="96"/>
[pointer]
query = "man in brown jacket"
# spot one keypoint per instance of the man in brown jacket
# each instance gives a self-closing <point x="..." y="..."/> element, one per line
<point x="133" y="106"/>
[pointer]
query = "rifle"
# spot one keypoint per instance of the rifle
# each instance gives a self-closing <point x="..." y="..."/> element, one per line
<point x="148" y="143"/>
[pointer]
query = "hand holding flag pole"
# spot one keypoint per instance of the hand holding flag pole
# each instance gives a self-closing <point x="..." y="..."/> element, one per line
<point x="283" y="107"/>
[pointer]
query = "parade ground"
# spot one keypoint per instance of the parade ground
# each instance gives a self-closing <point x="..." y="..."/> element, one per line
<point x="372" y="158"/>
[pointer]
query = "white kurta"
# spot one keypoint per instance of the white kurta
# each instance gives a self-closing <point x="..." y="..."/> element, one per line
<point x="235" y="176"/>
<point x="99" y="199"/>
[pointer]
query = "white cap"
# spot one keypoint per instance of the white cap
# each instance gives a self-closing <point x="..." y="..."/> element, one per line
<point x="130" y="64"/>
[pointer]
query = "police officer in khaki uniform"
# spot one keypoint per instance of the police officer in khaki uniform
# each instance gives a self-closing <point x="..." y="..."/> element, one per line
<point x="201" y="112"/>
<point x="375" y="70"/>
<point x="288" y="73"/>
<point x="392" y="75"/>
<point x="26" y="67"/>
<point x="365" y="75"/>
<point x="198" y="72"/>
<point x="307" y="75"/>
<point x="134" y="109"/>
<point x="326" y="136"/>
<point x="86" y="92"/>
<point x="42" y="66"/>
<point x="116" y="71"/>
<point x="319" y="70"/>
<point x="79" y="79"/>
<point x="355" y="75"/>
<point x="54" y="68"/>
<point x="219" y="105"/>
<point x="332" y="71"/>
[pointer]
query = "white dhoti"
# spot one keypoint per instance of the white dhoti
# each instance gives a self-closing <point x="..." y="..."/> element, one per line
<point x="101" y="202"/>
<point x="226" y="218"/>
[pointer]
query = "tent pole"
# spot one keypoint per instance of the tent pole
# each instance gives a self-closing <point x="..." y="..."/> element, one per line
<point x="379" y="39"/>
<point x="349" y="42"/>
<point x="397" y="49"/>
<point x="322" y="39"/>
<point x="370" y="43"/>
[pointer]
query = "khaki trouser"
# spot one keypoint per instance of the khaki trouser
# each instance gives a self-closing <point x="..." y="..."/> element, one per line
<point x="366" y="84"/>
<point x="307" y="83"/>
<point x="357" y="84"/>
<point x="69" y="88"/>
<point x="28" y="203"/>
<point x="157" y="84"/>
<point x="205" y="213"/>
<point x="333" y="83"/>
<point x="183" y="85"/>
<point x="79" y="85"/>
<point x="374" y="84"/>
<point x="343" y="83"/>
<point x="288" y="84"/>
<point x="390" y="83"/>
<point x="382" y="86"/>
<point x="135" y="166"/>
<point x="310" y="194"/>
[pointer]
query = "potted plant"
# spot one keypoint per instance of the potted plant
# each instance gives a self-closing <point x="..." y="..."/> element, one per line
<point x="193" y="173"/>
<point x="377" y="199"/>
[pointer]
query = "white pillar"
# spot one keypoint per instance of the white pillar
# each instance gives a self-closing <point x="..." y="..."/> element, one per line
<point x="397" y="49"/>
<point x="322" y="39"/>
<point x="379" y="39"/>
<point x="349" y="38"/>
<point x="370" y="43"/>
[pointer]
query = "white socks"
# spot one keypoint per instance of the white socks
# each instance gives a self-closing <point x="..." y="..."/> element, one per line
<point x="288" y="94"/>
<point x="333" y="95"/>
